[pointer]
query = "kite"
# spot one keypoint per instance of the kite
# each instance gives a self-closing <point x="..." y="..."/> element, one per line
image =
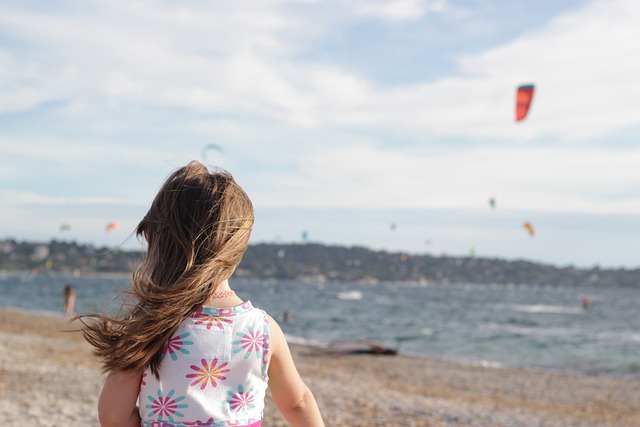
<point x="524" y="96"/>
<point x="206" y="151"/>
<point x="492" y="202"/>
<point x="112" y="226"/>
<point x="527" y="226"/>
<point x="65" y="227"/>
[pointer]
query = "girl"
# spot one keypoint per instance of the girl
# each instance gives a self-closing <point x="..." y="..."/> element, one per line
<point x="187" y="349"/>
<point x="69" y="300"/>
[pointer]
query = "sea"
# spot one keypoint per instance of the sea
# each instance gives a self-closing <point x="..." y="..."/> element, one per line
<point x="494" y="325"/>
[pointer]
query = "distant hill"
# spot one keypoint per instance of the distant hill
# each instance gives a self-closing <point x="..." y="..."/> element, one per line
<point x="312" y="262"/>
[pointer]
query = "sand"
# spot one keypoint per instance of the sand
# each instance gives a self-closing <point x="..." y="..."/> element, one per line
<point x="49" y="378"/>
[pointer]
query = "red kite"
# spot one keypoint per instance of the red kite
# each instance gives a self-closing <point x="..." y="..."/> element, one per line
<point x="524" y="96"/>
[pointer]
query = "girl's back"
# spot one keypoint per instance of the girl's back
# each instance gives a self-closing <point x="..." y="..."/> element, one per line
<point x="213" y="371"/>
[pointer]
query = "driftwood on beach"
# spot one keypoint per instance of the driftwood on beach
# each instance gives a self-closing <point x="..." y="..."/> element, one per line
<point x="49" y="378"/>
<point x="344" y="347"/>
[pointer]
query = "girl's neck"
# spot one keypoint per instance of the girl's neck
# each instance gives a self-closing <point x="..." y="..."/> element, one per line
<point x="223" y="297"/>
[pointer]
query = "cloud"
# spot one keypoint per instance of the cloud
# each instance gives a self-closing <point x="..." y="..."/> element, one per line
<point x="35" y="199"/>
<point x="134" y="52"/>
<point x="99" y="101"/>
<point x="399" y="10"/>
<point x="584" y="64"/>
<point x="544" y="178"/>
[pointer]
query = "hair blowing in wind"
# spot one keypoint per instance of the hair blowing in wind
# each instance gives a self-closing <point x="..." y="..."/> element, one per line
<point x="197" y="230"/>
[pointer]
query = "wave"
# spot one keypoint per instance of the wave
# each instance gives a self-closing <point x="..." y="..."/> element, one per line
<point x="487" y="364"/>
<point x="546" y="309"/>
<point x="426" y="332"/>
<point x="296" y="339"/>
<point x="420" y="335"/>
<point x="531" y="331"/>
<point x="349" y="295"/>
<point x="618" y="336"/>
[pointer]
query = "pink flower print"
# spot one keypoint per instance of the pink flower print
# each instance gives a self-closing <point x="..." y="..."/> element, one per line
<point x="208" y="373"/>
<point x="207" y="423"/>
<point x="165" y="406"/>
<point x="242" y="400"/>
<point x="176" y="344"/>
<point x="202" y="318"/>
<point x="142" y="381"/>
<point x="226" y="311"/>
<point x="251" y="342"/>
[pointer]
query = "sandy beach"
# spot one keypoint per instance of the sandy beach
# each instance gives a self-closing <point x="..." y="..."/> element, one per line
<point x="49" y="378"/>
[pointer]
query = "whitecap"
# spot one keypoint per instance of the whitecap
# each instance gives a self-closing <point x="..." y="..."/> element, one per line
<point x="349" y="295"/>
<point x="549" y="309"/>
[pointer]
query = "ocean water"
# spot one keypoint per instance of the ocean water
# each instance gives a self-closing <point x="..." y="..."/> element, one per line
<point x="541" y="327"/>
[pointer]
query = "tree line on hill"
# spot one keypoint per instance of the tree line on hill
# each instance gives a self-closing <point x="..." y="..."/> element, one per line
<point x="311" y="262"/>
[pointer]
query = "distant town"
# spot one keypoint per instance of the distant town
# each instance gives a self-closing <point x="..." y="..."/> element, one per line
<point x="312" y="262"/>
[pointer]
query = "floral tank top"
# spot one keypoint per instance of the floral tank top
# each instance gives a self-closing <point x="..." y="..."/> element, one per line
<point x="213" y="371"/>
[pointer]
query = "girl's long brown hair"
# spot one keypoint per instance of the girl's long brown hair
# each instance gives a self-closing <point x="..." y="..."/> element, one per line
<point x="197" y="230"/>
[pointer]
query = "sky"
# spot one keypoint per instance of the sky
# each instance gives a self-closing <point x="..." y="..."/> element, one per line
<point x="387" y="124"/>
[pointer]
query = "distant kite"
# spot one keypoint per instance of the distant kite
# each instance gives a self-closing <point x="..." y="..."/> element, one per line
<point x="206" y="151"/>
<point x="524" y="96"/>
<point x="112" y="226"/>
<point x="65" y="227"/>
<point x="393" y="226"/>
<point x="527" y="226"/>
<point x="492" y="202"/>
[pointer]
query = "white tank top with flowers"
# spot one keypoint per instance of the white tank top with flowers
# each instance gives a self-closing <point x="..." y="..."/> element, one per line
<point x="213" y="371"/>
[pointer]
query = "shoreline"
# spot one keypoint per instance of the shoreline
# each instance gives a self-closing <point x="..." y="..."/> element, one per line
<point x="484" y="364"/>
<point x="49" y="377"/>
<point x="66" y="274"/>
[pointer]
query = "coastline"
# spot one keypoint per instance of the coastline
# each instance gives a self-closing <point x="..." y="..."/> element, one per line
<point x="49" y="377"/>
<point x="66" y="274"/>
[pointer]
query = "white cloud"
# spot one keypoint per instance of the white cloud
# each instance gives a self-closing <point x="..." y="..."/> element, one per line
<point x="124" y="79"/>
<point x="544" y="178"/>
<point x="34" y="199"/>
<point x="399" y="10"/>
<point x="583" y="63"/>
